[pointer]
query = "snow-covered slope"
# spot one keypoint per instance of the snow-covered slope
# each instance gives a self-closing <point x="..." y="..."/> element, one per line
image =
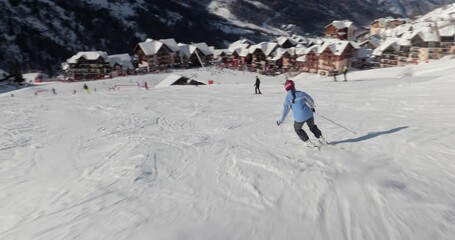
<point x="209" y="162"/>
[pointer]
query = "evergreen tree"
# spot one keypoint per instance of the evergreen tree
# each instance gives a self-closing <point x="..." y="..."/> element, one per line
<point x="17" y="72"/>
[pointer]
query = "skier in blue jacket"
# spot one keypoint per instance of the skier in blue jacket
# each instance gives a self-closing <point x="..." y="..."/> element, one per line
<point x="302" y="106"/>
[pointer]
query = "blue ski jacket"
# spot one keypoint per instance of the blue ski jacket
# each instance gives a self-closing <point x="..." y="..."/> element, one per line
<point x="301" y="108"/>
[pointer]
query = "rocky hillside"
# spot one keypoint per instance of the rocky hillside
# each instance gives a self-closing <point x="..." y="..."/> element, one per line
<point x="42" y="33"/>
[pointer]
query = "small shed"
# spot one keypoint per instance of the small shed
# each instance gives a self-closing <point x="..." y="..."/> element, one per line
<point x="174" y="79"/>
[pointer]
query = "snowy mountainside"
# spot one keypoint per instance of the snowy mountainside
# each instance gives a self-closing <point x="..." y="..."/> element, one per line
<point x="43" y="33"/>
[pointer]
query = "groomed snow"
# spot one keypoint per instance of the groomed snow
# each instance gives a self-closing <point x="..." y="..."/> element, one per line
<point x="209" y="162"/>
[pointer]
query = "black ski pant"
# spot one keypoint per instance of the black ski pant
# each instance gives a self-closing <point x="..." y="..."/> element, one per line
<point x="313" y="128"/>
<point x="257" y="90"/>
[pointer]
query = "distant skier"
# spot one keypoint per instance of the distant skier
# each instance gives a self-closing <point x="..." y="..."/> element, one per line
<point x="87" y="90"/>
<point x="54" y="91"/>
<point x="345" y="71"/>
<point x="302" y="106"/>
<point x="257" y="84"/>
<point x="334" y="72"/>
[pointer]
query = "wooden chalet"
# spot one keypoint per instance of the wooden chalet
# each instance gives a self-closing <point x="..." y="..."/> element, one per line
<point x="335" y="54"/>
<point x="283" y="59"/>
<point x="153" y="55"/>
<point x="342" y="30"/>
<point x="391" y="53"/>
<point x="382" y="24"/>
<point x="121" y="65"/>
<point x="308" y="59"/>
<point x="195" y="54"/>
<point x="88" y="65"/>
<point x="286" y="42"/>
<point x="260" y="52"/>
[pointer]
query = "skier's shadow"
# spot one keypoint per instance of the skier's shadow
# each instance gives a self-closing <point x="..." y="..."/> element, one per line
<point x="369" y="136"/>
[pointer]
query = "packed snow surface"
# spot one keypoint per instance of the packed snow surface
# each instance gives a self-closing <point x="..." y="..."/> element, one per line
<point x="209" y="162"/>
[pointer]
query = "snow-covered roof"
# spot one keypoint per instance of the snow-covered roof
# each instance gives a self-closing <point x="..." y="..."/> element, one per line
<point x="446" y="28"/>
<point x="123" y="60"/>
<point x="337" y="47"/>
<point x="150" y="47"/>
<point x="405" y="39"/>
<point x="306" y="50"/>
<point x="446" y="12"/>
<point x="278" y="54"/>
<point x="65" y="66"/>
<point x="372" y="40"/>
<point x="186" y="49"/>
<point x="387" y="20"/>
<point x="314" y="48"/>
<point x="281" y="40"/>
<point x="171" y="44"/>
<point x="300" y="50"/>
<point x="399" y="30"/>
<point x="428" y="34"/>
<point x="218" y="52"/>
<point x="237" y="47"/>
<point x="244" y="52"/>
<point x="241" y="42"/>
<point x="266" y="47"/>
<point x="168" y="81"/>
<point x="340" y="24"/>
<point x="30" y="77"/>
<point x="94" y="55"/>
<point x="363" y="53"/>
<point x="204" y="48"/>
<point x="389" y="42"/>
<point x="173" y="78"/>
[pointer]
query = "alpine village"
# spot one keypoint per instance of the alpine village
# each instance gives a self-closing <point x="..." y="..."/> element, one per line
<point x="386" y="42"/>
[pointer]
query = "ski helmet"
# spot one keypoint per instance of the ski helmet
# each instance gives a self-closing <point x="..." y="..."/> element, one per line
<point x="289" y="85"/>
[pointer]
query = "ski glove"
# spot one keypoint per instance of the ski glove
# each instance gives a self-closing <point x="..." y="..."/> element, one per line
<point x="278" y="123"/>
<point x="312" y="109"/>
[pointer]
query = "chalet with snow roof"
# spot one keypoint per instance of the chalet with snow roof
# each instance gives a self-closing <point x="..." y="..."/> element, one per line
<point x="239" y="52"/>
<point x="195" y="54"/>
<point x="361" y="58"/>
<point x="371" y="42"/>
<point x="286" y="42"/>
<point x="260" y="52"/>
<point x="283" y="59"/>
<point x="121" y="65"/>
<point x="308" y="59"/>
<point x="240" y="56"/>
<point x="392" y="52"/>
<point x="446" y="32"/>
<point x="222" y="55"/>
<point x="241" y="43"/>
<point x="335" y="54"/>
<point x="173" y="46"/>
<point x="382" y="24"/>
<point x="154" y="54"/>
<point x="88" y="65"/>
<point x="343" y="30"/>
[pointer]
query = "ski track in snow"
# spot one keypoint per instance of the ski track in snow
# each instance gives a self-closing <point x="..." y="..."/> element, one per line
<point x="209" y="162"/>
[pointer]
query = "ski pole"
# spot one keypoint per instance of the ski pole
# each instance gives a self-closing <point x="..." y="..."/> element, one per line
<point x="335" y="123"/>
<point x="284" y="135"/>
